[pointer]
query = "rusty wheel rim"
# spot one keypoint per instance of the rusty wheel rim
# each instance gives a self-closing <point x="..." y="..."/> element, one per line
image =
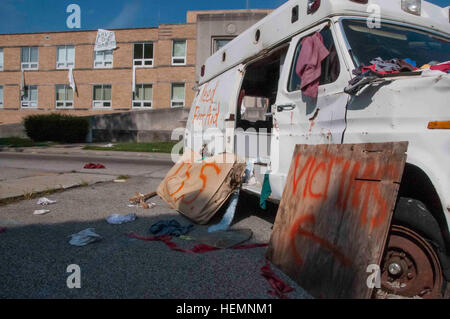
<point x="410" y="267"/>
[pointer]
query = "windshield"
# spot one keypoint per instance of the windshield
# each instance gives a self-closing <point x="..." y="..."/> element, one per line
<point x="391" y="41"/>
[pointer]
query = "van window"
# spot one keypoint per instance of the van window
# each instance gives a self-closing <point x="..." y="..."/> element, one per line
<point x="330" y="66"/>
<point x="259" y="90"/>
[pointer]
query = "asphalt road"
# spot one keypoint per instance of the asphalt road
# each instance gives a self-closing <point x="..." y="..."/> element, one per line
<point x="36" y="252"/>
<point x="132" y="166"/>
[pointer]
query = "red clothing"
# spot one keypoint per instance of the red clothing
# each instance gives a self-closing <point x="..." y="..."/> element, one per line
<point x="443" y="67"/>
<point x="309" y="63"/>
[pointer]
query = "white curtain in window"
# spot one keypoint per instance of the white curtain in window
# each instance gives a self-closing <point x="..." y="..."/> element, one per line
<point x="1" y="58"/>
<point x="148" y="92"/>
<point x="33" y="93"/>
<point x="71" y="54"/>
<point x="1" y="94"/>
<point x="61" y="54"/>
<point x="34" y="54"/>
<point x="60" y="93"/>
<point x="179" y="48"/>
<point x="178" y="92"/>
<point x="107" y="93"/>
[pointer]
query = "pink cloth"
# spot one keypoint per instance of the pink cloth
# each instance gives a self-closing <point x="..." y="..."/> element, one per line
<point x="309" y="68"/>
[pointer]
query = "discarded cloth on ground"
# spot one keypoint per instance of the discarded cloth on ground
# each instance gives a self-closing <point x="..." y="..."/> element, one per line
<point x="223" y="238"/>
<point x="94" y="166"/>
<point x="170" y="227"/>
<point x="117" y="219"/>
<point x="279" y="287"/>
<point x="2" y="230"/>
<point x="197" y="187"/>
<point x="309" y="63"/>
<point x="45" y="201"/>
<point x="41" y="212"/>
<point x="198" y="249"/>
<point x="84" y="237"/>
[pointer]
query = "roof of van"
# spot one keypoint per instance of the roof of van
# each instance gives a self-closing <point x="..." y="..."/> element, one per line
<point x="277" y="27"/>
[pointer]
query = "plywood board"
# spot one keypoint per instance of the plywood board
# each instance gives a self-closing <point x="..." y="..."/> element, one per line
<point x="335" y="214"/>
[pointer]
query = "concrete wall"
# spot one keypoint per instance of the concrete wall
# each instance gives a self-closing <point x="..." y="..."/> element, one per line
<point x="12" y="130"/>
<point x="138" y="126"/>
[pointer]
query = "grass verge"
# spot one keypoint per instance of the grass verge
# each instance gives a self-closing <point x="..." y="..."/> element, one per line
<point x="22" y="142"/>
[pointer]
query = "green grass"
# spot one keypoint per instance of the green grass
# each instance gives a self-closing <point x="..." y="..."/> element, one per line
<point x="155" y="147"/>
<point x="22" y="142"/>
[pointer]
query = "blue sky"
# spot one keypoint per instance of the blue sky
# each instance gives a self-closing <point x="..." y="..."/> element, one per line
<point x="23" y="16"/>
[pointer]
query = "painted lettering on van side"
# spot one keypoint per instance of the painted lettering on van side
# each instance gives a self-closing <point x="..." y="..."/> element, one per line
<point x="207" y="111"/>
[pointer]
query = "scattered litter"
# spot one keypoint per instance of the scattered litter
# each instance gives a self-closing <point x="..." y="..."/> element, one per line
<point x="94" y="166"/>
<point x="45" y="201"/>
<point x="118" y="219"/>
<point x="200" y="248"/>
<point x="41" y="212"/>
<point x="229" y="214"/>
<point x="108" y="145"/>
<point x="280" y="288"/>
<point x="140" y="200"/>
<point x="84" y="237"/>
<point x="2" y="230"/>
<point x="119" y="181"/>
<point x="143" y="205"/>
<point x="170" y="227"/>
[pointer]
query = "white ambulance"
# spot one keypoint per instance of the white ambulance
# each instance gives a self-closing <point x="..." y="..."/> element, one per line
<point x="249" y="102"/>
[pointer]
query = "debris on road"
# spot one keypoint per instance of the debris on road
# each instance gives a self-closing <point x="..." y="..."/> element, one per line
<point x="170" y="227"/>
<point x="94" y="166"/>
<point x="2" y="230"/>
<point x="117" y="219"/>
<point x="198" y="249"/>
<point x="84" y="237"/>
<point x="45" y="201"/>
<point x="140" y="200"/>
<point x="279" y="287"/>
<point x="41" y="212"/>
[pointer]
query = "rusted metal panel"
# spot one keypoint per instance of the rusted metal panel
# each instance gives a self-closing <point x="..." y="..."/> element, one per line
<point x="335" y="215"/>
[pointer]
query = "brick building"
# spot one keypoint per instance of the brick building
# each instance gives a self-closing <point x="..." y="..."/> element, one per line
<point x="34" y="69"/>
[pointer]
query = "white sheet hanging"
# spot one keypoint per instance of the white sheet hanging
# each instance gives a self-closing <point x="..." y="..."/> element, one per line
<point x="72" y="80"/>
<point x="106" y="40"/>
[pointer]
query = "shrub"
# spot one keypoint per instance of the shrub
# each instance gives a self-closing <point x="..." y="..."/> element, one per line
<point x="56" y="128"/>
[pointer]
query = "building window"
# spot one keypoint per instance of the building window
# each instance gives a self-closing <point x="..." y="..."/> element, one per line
<point x="143" y="96"/>
<point x="1" y="59"/>
<point x="1" y="96"/>
<point x="30" y="97"/>
<point x="177" y="96"/>
<point x="143" y="54"/>
<point x="64" y="96"/>
<point x="103" y="59"/>
<point x="30" y="56"/>
<point x="179" y="52"/>
<point x="65" y="57"/>
<point x="102" y="96"/>
<point x="219" y="43"/>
